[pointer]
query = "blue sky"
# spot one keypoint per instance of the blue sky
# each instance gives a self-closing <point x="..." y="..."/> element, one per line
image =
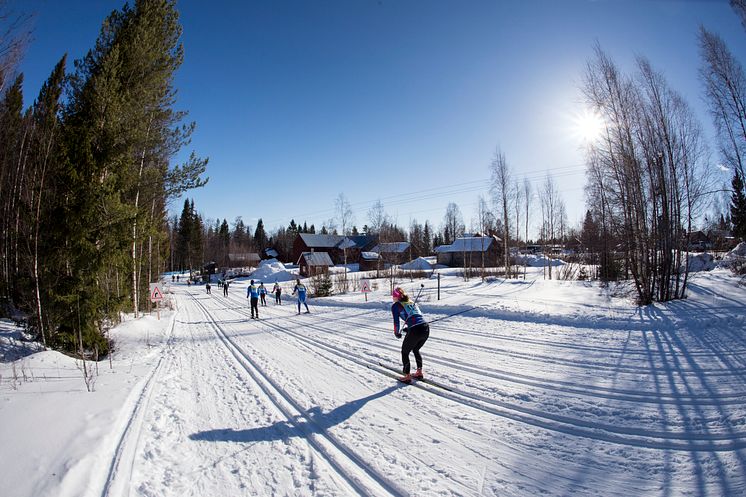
<point x="404" y="101"/>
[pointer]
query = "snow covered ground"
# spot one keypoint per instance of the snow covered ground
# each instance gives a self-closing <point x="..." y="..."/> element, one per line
<point x="557" y="388"/>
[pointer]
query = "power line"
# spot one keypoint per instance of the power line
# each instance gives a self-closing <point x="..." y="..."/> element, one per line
<point x="432" y="193"/>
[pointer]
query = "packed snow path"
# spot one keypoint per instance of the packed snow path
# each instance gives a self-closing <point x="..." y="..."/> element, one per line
<point x="300" y="405"/>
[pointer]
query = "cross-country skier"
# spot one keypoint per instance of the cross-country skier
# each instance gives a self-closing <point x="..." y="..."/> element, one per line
<point x="301" y="289"/>
<point x="263" y="293"/>
<point x="252" y="293"/>
<point x="416" y="336"/>
<point x="277" y="290"/>
<point x="225" y="288"/>
<point x="208" y="287"/>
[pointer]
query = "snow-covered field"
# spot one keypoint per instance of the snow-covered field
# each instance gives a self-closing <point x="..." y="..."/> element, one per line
<point x="557" y="388"/>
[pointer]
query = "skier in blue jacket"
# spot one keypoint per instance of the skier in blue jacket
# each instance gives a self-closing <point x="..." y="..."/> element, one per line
<point x="301" y="289"/>
<point x="417" y="332"/>
<point x="252" y="293"/>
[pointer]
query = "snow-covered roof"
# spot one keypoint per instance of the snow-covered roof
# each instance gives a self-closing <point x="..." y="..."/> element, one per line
<point x="391" y="248"/>
<point x="369" y="256"/>
<point x="346" y="243"/>
<point x="419" y="264"/>
<point x="470" y="244"/>
<point x="317" y="258"/>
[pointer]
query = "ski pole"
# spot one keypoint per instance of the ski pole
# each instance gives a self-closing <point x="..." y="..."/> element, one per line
<point x="422" y="286"/>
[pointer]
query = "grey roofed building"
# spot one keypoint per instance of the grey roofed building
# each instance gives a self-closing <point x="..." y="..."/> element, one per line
<point x="469" y="251"/>
<point x="394" y="252"/>
<point x="320" y="241"/>
<point x="392" y="247"/>
<point x="311" y="263"/>
<point x="245" y="258"/>
<point x="317" y="258"/>
<point x="336" y="246"/>
<point x="470" y="244"/>
<point x="368" y="261"/>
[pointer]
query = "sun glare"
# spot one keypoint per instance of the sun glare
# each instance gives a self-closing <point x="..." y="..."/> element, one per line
<point x="588" y="126"/>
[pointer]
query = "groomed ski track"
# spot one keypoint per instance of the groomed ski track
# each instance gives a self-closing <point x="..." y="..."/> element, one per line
<point x="261" y="393"/>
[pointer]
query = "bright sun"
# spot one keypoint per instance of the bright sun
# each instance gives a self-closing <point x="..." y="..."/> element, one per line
<point x="588" y="126"/>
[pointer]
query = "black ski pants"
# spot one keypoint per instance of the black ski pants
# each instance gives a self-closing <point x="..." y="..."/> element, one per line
<point x="254" y="306"/>
<point x="413" y="342"/>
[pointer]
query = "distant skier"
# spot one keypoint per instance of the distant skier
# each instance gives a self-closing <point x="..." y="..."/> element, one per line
<point x="252" y="293"/>
<point x="225" y="288"/>
<point x="263" y="293"/>
<point x="277" y="290"/>
<point x="301" y="289"/>
<point x="417" y="332"/>
<point x="208" y="288"/>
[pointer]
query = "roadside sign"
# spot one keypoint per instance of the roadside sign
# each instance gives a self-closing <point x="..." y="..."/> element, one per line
<point x="156" y="293"/>
<point x="365" y="286"/>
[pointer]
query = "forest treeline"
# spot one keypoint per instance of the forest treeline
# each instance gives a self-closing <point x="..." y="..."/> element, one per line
<point x="85" y="178"/>
<point x="88" y="170"/>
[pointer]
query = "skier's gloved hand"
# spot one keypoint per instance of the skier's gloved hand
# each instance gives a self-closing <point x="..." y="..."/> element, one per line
<point x="397" y="334"/>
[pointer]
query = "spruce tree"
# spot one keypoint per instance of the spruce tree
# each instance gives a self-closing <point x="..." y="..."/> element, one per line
<point x="260" y="236"/>
<point x="738" y="207"/>
<point x="120" y="133"/>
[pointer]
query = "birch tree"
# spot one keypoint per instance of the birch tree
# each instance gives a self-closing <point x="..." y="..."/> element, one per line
<point x="500" y="188"/>
<point x="649" y="170"/>
<point x="725" y="90"/>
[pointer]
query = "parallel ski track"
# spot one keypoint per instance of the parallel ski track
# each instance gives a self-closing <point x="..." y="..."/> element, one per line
<point x="597" y="365"/>
<point x="609" y="393"/>
<point x="319" y="439"/>
<point x="665" y="440"/>
<point x="734" y="354"/>
<point x="120" y="469"/>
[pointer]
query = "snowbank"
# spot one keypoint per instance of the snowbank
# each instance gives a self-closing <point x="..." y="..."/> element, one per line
<point x="701" y="262"/>
<point x="272" y="270"/>
<point x="739" y="252"/>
